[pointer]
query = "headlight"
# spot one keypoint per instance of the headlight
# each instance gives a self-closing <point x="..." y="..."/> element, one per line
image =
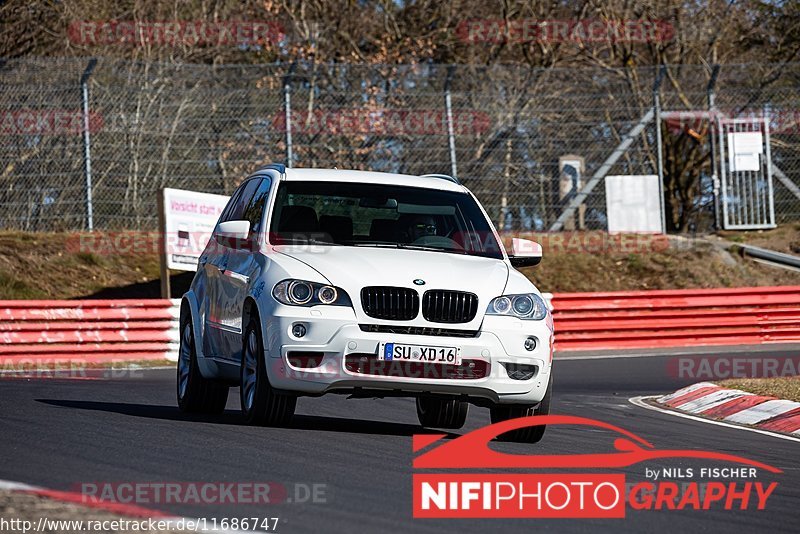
<point x="327" y="294"/>
<point x="300" y="292"/>
<point x="502" y="305"/>
<point x="525" y="306"/>
<point x="303" y="293"/>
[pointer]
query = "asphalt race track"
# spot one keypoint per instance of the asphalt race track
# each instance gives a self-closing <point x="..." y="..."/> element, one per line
<point x="58" y="433"/>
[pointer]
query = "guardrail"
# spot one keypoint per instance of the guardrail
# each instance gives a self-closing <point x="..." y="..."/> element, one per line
<point x="89" y="330"/>
<point x="676" y="318"/>
<point x="771" y="257"/>
<point x="102" y="330"/>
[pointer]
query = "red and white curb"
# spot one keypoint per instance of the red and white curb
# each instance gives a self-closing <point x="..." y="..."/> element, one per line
<point x="127" y="510"/>
<point x="174" y="331"/>
<point x="707" y="400"/>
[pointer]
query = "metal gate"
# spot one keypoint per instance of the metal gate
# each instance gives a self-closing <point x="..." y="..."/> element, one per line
<point x="746" y="174"/>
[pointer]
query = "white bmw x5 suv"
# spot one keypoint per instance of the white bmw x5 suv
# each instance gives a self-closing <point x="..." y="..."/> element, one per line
<point x="371" y="284"/>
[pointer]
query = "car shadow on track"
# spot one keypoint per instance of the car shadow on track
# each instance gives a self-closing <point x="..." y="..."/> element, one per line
<point x="230" y="417"/>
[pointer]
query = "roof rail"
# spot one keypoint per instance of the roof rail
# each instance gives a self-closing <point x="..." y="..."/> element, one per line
<point x="280" y="167"/>
<point x="443" y="177"/>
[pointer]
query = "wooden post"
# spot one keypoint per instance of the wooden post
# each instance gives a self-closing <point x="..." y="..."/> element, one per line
<point x="162" y="246"/>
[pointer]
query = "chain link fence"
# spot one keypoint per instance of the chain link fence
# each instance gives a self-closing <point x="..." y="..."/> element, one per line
<point x="502" y="130"/>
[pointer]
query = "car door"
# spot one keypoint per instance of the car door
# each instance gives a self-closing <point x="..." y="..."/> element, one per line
<point x="241" y="269"/>
<point x="215" y="265"/>
<point x="211" y="263"/>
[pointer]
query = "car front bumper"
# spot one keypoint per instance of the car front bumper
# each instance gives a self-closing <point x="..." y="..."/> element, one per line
<point x="333" y="333"/>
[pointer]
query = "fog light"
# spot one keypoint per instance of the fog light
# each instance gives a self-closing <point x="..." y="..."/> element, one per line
<point x="530" y="343"/>
<point x="520" y="371"/>
<point x="298" y="330"/>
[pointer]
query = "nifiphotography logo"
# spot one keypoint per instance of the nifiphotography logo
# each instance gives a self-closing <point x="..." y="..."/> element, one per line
<point x="502" y="491"/>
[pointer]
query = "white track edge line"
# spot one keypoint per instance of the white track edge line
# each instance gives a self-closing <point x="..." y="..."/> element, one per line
<point x="699" y="351"/>
<point x="640" y="402"/>
<point x="10" y="485"/>
<point x="44" y="371"/>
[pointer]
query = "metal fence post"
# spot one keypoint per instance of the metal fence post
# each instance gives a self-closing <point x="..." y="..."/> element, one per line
<point x="287" y="111"/>
<point x="87" y="150"/>
<point x="659" y="143"/>
<point x="712" y="123"/>
<point x="769" y="171"/>
<point x="450" y="131"/>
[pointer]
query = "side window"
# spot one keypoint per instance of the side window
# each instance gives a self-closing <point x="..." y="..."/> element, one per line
<point x="224" y="216"/>
<point x="240" y="200"/>
<point x="254" y="212"/>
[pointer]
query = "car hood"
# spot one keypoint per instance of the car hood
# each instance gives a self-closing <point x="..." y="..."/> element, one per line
<point x="352" y="268"/>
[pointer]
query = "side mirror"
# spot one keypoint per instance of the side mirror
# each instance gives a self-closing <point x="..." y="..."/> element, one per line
<point x="525" y="253"/>
<point x="232" y="232"/>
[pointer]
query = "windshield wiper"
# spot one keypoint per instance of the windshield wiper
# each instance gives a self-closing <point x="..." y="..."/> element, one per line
<point x="379" y="245"/>
<point x="432" y="249"/>
<point x="410" y="246"/>
<point x="309" y="241"/>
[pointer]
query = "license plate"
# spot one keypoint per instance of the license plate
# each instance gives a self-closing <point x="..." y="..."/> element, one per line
<point x="419" y="353"/>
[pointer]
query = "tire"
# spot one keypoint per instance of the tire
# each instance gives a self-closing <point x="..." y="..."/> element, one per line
<point x="261" y="404"/>
<point x="195" y="393"/>
<point x="531" y="434"/>
<point x="441" y="413"/>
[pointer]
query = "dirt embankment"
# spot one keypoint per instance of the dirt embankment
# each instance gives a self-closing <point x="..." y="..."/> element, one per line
<point x="56" y="266"/>
<point x="597" y="262"/>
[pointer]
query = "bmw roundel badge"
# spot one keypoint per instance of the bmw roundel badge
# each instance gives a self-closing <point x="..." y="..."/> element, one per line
<point x="419" y="282"/>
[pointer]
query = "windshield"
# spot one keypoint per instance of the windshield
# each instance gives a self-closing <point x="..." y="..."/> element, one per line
<point x="373" y="215"/>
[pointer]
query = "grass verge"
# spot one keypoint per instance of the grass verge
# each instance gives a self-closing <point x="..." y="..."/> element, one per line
<point x="787" y="388"/>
